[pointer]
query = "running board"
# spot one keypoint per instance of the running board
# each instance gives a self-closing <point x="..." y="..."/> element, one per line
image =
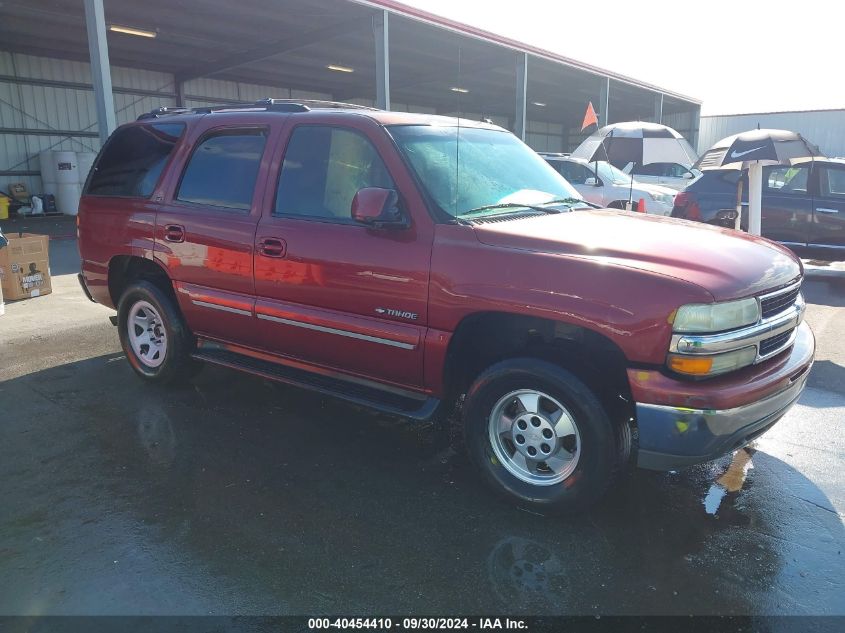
<point x="412" y="407"/>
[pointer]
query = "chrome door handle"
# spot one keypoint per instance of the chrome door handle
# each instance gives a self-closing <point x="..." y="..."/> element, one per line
<point x="272" y="247"/>
<point x="174" y="233"/>
<point x="826" y="210"/>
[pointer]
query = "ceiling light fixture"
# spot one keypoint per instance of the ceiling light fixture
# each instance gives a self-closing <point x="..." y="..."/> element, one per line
<point x="539" y="103"/>
<point x="340" y="69"/>
<point x="463" y="91"/>
<point x="130" y="31"/>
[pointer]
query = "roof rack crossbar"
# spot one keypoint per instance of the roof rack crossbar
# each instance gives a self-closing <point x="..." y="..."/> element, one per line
<point x="281" y="105"/>
<point x="163" y="111"/>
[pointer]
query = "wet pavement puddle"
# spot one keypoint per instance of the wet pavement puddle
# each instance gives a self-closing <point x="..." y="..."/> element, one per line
<point x="731" y="481"/>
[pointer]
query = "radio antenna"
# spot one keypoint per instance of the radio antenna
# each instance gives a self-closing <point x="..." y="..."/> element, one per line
<point x="458" y="140"/>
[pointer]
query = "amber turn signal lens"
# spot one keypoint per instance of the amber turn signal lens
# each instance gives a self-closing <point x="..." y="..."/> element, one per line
<point x="690" y="365"/>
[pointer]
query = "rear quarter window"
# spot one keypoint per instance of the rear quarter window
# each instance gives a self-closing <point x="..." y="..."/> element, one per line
<point x="131" y="163"/>
<point x="715" y="180"/>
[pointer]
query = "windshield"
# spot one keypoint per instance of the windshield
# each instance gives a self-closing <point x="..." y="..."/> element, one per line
<point x="489" y="168"/>
<point x="609" y="173"/>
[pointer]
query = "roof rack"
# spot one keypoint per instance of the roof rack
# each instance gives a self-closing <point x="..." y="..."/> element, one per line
<point x="268" y="105"/>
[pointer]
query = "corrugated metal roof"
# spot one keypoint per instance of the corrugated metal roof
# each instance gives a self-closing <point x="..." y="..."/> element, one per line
<point x="494" y="38"/>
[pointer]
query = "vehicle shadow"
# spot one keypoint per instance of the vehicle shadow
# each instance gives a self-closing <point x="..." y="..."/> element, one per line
<point x="826" y="291"/>
<point x="827" y="375"/>
<point x="295" y="503"/>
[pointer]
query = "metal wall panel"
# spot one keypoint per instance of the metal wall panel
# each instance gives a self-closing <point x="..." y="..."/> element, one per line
<point x="825" y="128"/>
<point x="683" y="122"/>
<point x="227" y="90"/>
<point x="206" y="91"/>
<point x="542" y="136"/>
<point x="26" y="105"/>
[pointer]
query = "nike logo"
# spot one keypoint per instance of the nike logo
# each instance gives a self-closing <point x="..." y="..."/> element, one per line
<point x="736" y="154"/>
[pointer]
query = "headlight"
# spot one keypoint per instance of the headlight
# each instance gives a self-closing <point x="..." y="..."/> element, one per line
<point x="702" y="318"/>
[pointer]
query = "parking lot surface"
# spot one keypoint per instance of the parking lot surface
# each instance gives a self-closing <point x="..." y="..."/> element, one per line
<point x="235" y="495"/>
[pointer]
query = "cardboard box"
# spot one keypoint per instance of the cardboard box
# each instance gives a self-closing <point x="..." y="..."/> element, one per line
<point x="25" y="266"/>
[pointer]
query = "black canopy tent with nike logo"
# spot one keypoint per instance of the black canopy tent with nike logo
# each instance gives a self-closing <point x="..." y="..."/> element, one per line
<point x="753" y="150"/>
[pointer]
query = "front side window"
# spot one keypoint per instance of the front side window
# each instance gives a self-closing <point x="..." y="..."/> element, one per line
<point x="833" y="182"/>
<point x="323" y="169"/>
<point x="574" y="173"/>
<point x="223" y="170"/>
<point x="132" y="161"/>
<point x="609" y="173"/>
<point x="784" y="179"/>
<point x="467" y="170"/>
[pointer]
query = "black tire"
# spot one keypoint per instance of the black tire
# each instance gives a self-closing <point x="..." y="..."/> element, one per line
<point x="177" y="365"/>
<point x="601" y="454"/>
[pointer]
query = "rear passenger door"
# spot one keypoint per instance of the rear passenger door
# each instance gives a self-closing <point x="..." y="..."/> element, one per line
<point x="330" y="291"/>
<point x="787" y="206"/>
<point x="828" y="225"/>
<point x="206" y="226"/>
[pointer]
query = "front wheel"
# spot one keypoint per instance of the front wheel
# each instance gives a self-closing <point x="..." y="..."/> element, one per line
<point x="540" y="436"/>
<point x="154" y="336"/>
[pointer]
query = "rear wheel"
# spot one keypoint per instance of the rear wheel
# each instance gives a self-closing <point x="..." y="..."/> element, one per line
<point x="540" y="436"/>
<point x="154" y="336"/>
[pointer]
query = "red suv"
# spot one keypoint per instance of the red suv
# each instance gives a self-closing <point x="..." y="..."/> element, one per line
<point x="411" y="263"/>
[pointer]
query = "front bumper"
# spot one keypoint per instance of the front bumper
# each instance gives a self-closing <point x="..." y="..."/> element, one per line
<point x="672" y="437"/>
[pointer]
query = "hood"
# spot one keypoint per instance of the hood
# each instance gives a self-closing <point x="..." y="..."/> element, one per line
<point x="726" y="263"/>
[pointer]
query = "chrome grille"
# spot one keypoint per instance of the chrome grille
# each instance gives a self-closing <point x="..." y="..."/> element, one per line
<point x="771" y="345"/>
<point x="777" y="302"/>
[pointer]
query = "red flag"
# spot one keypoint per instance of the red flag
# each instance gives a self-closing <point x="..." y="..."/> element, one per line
<point x="590" y="117"/>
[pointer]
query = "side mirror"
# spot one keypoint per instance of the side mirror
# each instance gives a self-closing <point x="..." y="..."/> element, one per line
<point x="591" y="182"/>
<point x="688" y="175"/>
<point x="378" y="208"/>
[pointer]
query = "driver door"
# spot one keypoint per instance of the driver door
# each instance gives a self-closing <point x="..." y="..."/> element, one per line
<point x="787" y="208"/>
<point x="329" y="291"/>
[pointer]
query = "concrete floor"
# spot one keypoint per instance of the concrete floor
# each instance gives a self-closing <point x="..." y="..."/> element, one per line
<point x="239" y="496"/>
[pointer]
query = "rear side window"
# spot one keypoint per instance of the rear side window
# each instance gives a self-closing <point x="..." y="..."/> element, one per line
<point x="785" y="179"/>
<point x="133" y="159"/>
<point x="730" y="176"/>
<point x="652" y="169"/>
<point x="223" y="169"/>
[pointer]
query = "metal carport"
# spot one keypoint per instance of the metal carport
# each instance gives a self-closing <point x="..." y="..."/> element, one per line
<point x="382" y="53"/>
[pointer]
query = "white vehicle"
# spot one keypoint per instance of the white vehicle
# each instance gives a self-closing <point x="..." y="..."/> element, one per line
<point x="611" y="187"/>
<point x="673" y="175"/>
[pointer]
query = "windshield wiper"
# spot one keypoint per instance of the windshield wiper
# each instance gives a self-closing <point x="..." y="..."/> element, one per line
<point x="506" y="205"/>
<point x="541" y="207"/>
<point x="580" y="201"/>
<point x="569" y="201"/>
